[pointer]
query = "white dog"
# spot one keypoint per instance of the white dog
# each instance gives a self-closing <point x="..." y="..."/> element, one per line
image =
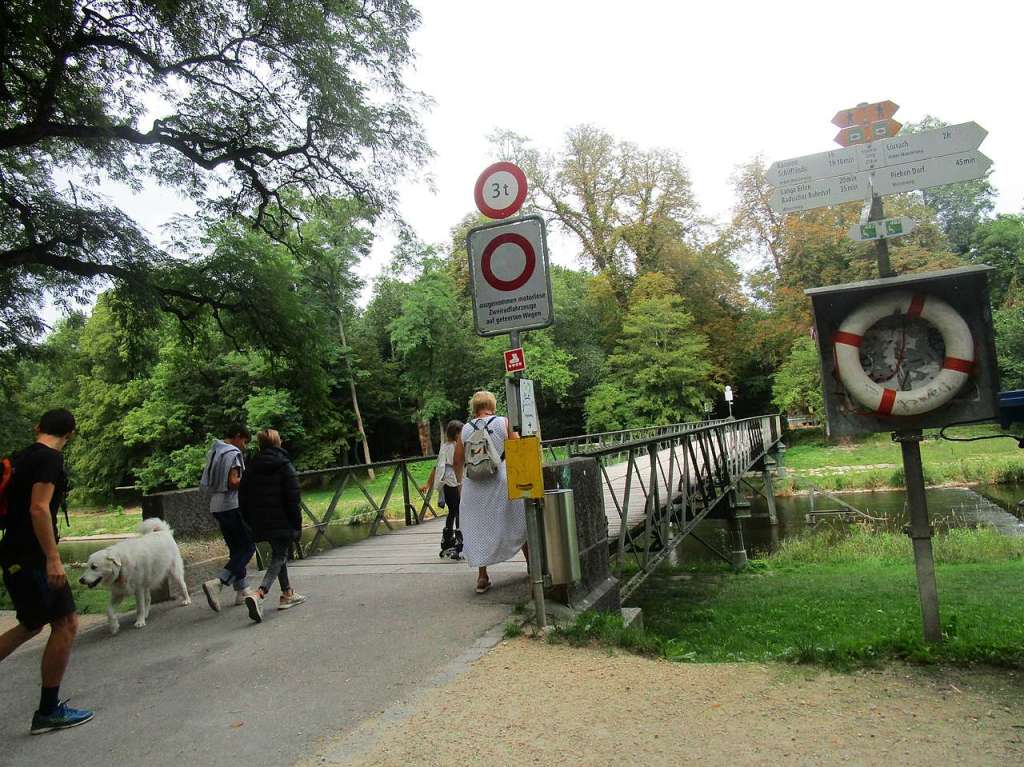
<point x="135" y="566"/>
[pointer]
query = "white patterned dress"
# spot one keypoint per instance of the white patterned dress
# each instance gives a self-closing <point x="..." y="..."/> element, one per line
<point x="493" y="527"/>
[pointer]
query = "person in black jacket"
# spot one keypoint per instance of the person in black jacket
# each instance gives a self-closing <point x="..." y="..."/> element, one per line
<point x="268" y="498"/>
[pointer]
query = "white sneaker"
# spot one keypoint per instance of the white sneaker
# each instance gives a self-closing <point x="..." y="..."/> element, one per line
<point x="241" y="596"/>
<point x="212" y="589"/>
<point x="255" y="607"/>
<point x="290" y="601"/>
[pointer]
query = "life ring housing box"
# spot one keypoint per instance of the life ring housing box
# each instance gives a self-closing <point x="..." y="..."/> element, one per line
<point x="910" y="352"/>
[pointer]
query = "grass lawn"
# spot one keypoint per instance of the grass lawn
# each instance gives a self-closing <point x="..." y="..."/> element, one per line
<point x="816" y="461"/>
<point x="108" y="521"/>
<point x="841" y="604"/>
<point x="838" y="615"/>
<point x="353" y="504"/>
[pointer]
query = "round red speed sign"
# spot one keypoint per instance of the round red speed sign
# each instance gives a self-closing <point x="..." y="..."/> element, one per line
<point x="500" y="190"/>
<point x="529" y="264"/>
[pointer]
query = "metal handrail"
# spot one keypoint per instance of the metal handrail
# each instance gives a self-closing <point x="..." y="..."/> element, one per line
<point x="668" y="483"/>
<point x="714" y="454"/>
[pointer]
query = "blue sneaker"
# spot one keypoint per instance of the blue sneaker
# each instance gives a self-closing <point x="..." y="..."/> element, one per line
<point x="61" y="719"/>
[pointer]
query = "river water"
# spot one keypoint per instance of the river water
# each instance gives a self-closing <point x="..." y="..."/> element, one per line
<point x="948" y="507"/>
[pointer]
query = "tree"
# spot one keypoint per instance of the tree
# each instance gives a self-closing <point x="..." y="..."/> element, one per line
<point x="960" y="207"/>
<point x="1000" y="243"/>
<point x="623" y="203"/>
<point x="256" y="105"/>
<point x="661" y="370"/>
<point x="755" y="223"/>
<point x="796" y="387"/>
<point x="428" y="335"/>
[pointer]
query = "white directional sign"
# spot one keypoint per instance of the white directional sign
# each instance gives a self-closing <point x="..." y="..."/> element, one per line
<point x="880" y="230"/>
<point x="808" y="195"/>
<point x="528" y="403"/>
<point x="937" y="171"/>
<point x="508" y="276"/>
<point x="938" y="142"/>
<point x="906" y="177"/>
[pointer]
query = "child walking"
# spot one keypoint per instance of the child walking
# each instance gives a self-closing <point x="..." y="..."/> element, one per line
<point x="446" y="482"/>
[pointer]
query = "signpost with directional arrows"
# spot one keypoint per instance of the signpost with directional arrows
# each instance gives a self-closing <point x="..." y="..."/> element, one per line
<point x="873" y="162"/>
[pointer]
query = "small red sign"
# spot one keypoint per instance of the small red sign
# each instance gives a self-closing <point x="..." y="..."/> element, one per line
<point x="515" y="362"/>
<point x="500" y="190"/>
<point x="864" y="114"/>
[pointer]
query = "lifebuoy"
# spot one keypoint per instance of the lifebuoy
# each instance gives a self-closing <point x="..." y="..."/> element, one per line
<point x="956" y="366"/>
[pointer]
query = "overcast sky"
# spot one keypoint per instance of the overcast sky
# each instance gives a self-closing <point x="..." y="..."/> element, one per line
<point x="718" y="82"/>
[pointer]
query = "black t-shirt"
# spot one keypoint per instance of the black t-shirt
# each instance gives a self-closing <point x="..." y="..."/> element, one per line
<point x="37" y="463"/>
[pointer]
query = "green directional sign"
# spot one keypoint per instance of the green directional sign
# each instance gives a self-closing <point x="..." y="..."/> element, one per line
<point x="880" y="230"/>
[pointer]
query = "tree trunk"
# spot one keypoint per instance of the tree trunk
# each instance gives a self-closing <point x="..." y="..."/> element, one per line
<point x="426" y="446"/>
<point x="355" y="399"/>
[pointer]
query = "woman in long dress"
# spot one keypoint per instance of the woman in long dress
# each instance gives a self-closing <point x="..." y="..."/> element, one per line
<point x="493" y="527"/>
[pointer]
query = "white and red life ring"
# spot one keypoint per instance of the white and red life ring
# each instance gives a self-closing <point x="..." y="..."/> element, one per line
<point x="956" y="367"/>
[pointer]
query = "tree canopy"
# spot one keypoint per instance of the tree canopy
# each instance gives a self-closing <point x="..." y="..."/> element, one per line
<point x="242" y="107"/>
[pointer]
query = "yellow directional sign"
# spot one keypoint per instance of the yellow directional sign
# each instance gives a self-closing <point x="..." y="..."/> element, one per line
<point x="523" y="466"/>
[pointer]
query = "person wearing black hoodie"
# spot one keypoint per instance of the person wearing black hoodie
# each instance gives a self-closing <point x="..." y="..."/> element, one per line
<point x="268" y="498"/>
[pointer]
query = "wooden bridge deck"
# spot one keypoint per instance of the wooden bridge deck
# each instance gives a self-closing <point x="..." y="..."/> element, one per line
<point x="410" y="550"/>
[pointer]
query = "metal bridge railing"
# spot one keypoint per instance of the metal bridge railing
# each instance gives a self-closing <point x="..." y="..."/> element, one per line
<point x="582" y="444"/>
<point x="393" y="490"/>
<point x="642" y="467"/>
<point x="661" y="486"/>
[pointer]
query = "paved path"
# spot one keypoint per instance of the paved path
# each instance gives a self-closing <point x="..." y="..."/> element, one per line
<point x="198" y="688"/>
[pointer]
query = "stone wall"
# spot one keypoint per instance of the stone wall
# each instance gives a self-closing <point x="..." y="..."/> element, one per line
<point x="597" y="588"/>
<point x="186" y="511"/>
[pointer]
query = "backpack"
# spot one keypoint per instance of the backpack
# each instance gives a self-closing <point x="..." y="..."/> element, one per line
<point x="482" y="458"/>
<point x="6" y="475"/>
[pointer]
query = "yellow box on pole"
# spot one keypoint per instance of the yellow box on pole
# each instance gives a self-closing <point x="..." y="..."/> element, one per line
<point x="523" y="467"/>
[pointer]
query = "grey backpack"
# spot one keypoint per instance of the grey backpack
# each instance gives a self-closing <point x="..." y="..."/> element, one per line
<point x="482" y="458"/>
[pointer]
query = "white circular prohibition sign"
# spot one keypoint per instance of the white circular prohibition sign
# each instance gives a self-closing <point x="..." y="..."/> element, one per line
<point x="500" y="190"/>
<point x="529" y="262"/>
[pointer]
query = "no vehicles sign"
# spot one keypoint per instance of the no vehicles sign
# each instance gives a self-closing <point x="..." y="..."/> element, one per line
<point x="508" y="276"/>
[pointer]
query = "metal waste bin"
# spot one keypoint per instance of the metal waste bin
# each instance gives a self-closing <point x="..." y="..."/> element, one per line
<point x="561" y="543"/>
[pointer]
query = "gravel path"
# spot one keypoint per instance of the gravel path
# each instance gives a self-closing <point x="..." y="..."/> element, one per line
<point x="527" y="703"/>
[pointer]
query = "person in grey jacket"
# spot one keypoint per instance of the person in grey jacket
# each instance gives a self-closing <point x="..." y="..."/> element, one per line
<point x="269" y="501"/>
<point x="222" y="475"/>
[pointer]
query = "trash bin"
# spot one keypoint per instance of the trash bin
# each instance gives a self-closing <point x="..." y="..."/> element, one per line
<point x="561" y="544"/>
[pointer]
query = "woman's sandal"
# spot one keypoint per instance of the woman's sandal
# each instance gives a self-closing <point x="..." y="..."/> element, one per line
<point x="486" y="585"/>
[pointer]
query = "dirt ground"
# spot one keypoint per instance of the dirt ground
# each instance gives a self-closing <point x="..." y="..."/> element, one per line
<point x="527" y="702"/>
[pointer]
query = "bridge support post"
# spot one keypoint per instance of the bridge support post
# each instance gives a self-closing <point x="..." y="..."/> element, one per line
<point x="780" y="466"/>
<point x="769" y="496"/>
<point x="597" y="588"/>
<point x="738" y="550"/>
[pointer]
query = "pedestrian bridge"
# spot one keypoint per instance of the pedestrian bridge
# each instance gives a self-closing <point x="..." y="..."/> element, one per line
<point x="658" y="483"/>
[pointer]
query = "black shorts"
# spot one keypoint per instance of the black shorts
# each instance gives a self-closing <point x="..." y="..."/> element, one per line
<point x="35" y="602"/>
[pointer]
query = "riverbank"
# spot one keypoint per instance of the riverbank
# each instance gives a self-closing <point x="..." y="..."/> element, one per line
<point x="837" y="600"/>
<point x="874" y="462"/>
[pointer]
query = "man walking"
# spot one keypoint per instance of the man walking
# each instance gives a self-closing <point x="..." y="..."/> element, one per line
<point x="33" y="573"/>
<point x="221" y="477"/>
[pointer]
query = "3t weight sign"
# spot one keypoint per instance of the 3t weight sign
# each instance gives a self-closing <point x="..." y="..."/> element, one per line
<point x="500" y="190"/>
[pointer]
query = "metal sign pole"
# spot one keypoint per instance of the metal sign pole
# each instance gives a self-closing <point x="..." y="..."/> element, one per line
<point x="881" y="244"/>
<point x="532" y="506"/>
<point x="920" y="530"/>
